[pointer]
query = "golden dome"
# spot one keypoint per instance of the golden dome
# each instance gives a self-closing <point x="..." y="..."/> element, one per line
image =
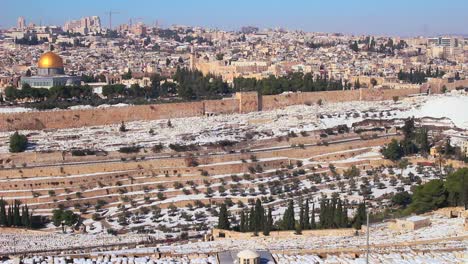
<point x="50" y="60"/>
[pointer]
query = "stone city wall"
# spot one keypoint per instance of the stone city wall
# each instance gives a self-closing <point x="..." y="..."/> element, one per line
<point x="244" y="102"/>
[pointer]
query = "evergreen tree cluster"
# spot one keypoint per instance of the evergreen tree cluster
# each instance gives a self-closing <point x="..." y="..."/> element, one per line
<point x="440" y="193"/>
<point x="415" y="141"/>
<point x="333" y="213"/>
<point x="419" y="76"/>
<point x="15" y="215"/>
<point x="194" y="85"/>
<point x="294" y="82"/>
<point x="257" y="219"/>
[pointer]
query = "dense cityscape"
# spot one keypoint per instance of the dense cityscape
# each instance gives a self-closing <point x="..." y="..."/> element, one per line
<point x="145" y="143"/>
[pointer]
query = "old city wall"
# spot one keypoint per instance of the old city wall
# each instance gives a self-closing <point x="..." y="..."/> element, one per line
<point x="270" y="102"/>
<point x="98" y="116"/>
<point x="226" y="106"/>
<point x="435" y="85"/>
<point x="244" y="102"/>
<point x="386" y="94"/>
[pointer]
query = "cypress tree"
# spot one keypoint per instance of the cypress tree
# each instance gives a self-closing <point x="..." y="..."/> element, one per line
<point x="323" y="213"/>
<point x="339" y="215"/>
<point x="17" y="215"/>
<point x="301" y="216"/>
<point x="242" y="222"/>
<point x="259" y="216"/>
<point x="345" y="216"/>
<point x="360" y="216"/>
<point x="26" y="217"/>
<point x="298" y="228"/>
<point x="306" y="215"/>
<point x="31" y="220"/>
<point x="312" y="218"/>
<point x="268" y="225"/>
<point x="223" y="218"/>
<point x="252" y="219"/>
<point x="288" y="218"/>
<point x="10" y="216"/>
<point x="3" y="214"/>
<point x="22" y="216"/>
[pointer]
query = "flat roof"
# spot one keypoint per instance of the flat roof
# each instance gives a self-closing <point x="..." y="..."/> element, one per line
<point x="416" y="218"/>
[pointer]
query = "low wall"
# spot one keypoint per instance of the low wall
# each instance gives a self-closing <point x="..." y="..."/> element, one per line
<point x="227" y="234"/>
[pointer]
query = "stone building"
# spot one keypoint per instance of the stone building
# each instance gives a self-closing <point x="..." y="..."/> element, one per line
<point x="410" y="223"/>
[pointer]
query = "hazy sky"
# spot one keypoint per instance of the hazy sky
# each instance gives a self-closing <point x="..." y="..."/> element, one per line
<point x="391" y="17"/>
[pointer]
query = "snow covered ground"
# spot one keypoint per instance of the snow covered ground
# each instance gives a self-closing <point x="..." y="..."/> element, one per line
<point x="389" y="258"/>
<point x="274" y="123"/>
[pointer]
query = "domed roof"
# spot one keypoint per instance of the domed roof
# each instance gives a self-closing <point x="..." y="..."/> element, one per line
<point x="248" y="254"/>
<point x="50" y="60"/>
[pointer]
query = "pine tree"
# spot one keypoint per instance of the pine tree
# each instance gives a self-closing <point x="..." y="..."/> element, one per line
<point x="223" y="218"/>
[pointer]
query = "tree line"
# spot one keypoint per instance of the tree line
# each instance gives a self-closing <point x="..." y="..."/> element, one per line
<point x="61" y="92"/>
<point x="370" y="44"/>
<point x="333" y="213"/>
<point x="15" y="215"/>
<point x="419" y="76"/>
<point x="294" y="82"/>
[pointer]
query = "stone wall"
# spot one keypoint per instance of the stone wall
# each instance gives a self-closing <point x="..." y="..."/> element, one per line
<point x="219" y="233"/>
<point x="227" y="106"/>
<point x="270" y="102"/>
<point x="244" y="102"/>
<point x="98" y="116"/>
<point x="435" y="85"/>
<point x="386" y="94"/>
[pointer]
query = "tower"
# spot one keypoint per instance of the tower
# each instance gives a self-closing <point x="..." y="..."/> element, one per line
<point x="21" y="24"/>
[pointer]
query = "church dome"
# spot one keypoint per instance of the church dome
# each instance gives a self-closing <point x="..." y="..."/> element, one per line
<point x="50" y="60"/>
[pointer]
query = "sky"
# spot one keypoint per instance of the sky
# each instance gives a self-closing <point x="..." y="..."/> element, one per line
<point x="379" y="17"/>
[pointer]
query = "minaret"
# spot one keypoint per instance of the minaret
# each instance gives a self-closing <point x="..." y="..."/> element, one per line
<point x="193" y="57"/>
